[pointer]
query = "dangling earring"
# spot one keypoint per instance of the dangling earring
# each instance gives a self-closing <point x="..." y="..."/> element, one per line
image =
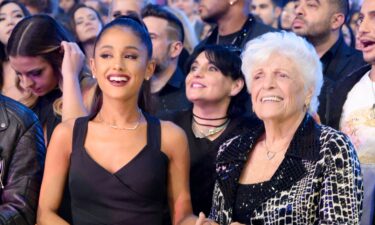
<point x="232" y="2"/>
<point x="307" y="105"/>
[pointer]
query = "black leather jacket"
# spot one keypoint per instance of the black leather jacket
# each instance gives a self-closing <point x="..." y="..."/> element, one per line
<point x="22" y="155"/>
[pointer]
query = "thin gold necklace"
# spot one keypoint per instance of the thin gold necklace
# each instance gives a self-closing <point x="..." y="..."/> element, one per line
<point x="198" y="133"/>
<point x="270" y="154"/>
<point x="114" y="126"/>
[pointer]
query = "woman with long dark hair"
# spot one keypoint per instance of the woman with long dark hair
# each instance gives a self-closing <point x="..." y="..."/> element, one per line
<point x="50" y="66"/>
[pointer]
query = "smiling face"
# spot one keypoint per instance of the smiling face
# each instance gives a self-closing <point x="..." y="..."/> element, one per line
<point x="121" y="63"/>
<point x="277" y="89"/>
<point x="87" y="24"/>
<point x="35" y="73"/>
<point x="366" y="31"/>
<point x="10" y="15"/>
<point x="206" y="83"/>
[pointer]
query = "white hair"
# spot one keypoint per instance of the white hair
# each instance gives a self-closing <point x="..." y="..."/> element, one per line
<point x="293" y="47"/>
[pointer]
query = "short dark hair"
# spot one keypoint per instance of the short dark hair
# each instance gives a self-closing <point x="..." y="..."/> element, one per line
<point x="159" y="12"/>
<point x="229" y="62"/>
<point x="342" y="6"/>
<point x="278" y="3"/>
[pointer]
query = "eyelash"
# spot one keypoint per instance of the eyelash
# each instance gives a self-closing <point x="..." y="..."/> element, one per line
<point x="15" y="16"/>
<point x="128" y="56"/>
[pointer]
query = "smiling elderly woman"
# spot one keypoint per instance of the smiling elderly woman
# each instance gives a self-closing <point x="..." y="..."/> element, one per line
<point x="289" y="170"/>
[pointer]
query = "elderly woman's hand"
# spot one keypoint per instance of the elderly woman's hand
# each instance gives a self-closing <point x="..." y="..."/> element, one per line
<point x="73" y="60"/>
<point x="202" y="220"/>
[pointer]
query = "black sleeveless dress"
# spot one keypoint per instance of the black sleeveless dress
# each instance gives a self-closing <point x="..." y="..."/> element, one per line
<point x="135" y="194"/>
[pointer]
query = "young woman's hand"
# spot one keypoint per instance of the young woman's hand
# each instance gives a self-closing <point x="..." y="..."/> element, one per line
<point x="73" y="59"/>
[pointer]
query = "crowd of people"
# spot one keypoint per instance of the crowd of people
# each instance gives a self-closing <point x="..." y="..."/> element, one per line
<point x="191" y="112"/>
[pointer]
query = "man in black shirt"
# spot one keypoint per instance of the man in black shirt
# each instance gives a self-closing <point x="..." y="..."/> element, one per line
<point x="320" y="22"/>
<point x="235" y="25"/>
<point x="168" y="81"/>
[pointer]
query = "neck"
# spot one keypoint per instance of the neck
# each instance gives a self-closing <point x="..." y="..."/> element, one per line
<point x="231" y="23"/>
<point x="119" y="111"/>
<point x="9" y="76"/>
<point x="322" y="45"/>
<point x="279" y="132"/>
<point x="159" y="80"/>
<point x="211" y="110"/>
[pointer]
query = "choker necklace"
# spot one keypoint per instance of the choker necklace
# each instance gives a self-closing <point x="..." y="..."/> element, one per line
<point x="202" y="118"/>
<point x="198" y="133"/>
<point x="114" y="126"/>
<point x="209" y="125"/>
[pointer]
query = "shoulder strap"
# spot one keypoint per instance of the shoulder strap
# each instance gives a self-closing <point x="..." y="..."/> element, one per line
<point x="79" y="132"/>
<point x="153" y="131"/>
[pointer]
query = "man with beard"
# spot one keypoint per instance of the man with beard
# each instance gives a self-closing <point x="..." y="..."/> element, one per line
<point x="320" y="22"/>
<point x="168" y="81"/>
<point x="235" y="25"/>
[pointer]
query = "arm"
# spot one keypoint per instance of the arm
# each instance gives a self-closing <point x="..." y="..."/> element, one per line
<point x="19" y="197"/>
<point x="55" y="175"/>
<point x="342" y="185"/>
<point x="175" y="146"/>
<point x="73" y="106"/>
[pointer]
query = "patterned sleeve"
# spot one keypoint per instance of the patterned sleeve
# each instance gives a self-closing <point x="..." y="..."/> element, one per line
<point x="342" y="185"/>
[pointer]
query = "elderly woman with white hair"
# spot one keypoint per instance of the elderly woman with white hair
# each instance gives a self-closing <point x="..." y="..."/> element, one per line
<point x="290" y="169"/>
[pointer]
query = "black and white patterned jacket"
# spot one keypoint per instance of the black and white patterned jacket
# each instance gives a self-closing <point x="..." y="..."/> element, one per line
<point x="318" y="182"/>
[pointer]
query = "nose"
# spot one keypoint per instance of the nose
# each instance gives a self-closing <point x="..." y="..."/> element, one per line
<point x="363" y="26"/>
<point x="269" y="82"/>
<point x="87" y="22"/>
<point x="299" y="10"/>
<point x="10" y="21"/>
<point x="26" y="82"/>
<point x="197" y="72"/>
<point x="255" y="10"/>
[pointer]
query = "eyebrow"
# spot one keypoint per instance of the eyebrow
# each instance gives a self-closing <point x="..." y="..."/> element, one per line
<point x="126" y="47"/>
<point x="14" y="11"/>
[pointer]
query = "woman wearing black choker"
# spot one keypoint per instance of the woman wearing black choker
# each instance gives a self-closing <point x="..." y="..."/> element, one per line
<point x="215" y="86"/>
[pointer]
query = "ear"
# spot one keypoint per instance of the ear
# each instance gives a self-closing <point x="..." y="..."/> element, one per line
<point x="175" y="49"/>
<point x="308" y="97"/>
<point x="237" y="87"/>
<point x="337" y="20"/>
<point x="278" y="11"/>
<point x="150" y="69"/>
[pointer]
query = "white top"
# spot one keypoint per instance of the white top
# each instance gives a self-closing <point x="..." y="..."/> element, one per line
<point x="358" y="118"/>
